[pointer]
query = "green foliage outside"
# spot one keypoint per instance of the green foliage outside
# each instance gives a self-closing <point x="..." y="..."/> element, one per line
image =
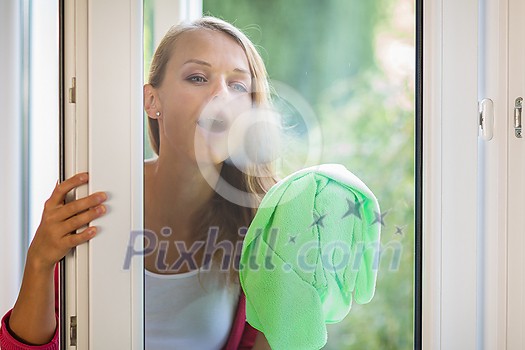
<point x="147" y="56"/>
<point x="328" y="52"/>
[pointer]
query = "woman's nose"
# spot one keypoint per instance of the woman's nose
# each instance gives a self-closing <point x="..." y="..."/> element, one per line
<point x="220" y="90"/>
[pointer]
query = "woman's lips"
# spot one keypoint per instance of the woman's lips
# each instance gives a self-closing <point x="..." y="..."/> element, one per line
<point x="211" y="124"/>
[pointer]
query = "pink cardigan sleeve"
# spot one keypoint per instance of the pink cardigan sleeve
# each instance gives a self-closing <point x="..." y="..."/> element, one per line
<point x="8" y="342"/>
<point x="242" y="335"/>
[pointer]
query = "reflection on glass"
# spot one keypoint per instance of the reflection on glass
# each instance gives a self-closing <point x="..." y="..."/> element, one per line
<point x="342" y="77"/>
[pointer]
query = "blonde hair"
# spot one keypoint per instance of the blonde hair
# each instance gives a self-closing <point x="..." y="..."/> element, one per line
<point x="219" y="211"/>
<point x="260" y="86"/>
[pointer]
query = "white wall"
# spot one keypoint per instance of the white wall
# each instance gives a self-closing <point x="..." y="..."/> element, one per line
<point x="10" y="152"/>
<point x="44" y="108"/>
<point x="29" y="131"/>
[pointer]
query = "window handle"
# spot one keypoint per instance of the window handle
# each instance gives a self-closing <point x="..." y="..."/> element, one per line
<point x="518" y="105"/>
<point x="486" y="119"/>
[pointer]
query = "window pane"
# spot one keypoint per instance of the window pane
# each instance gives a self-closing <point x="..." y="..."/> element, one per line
<point x="343" y="72"/>
<point x="353" y="62"/>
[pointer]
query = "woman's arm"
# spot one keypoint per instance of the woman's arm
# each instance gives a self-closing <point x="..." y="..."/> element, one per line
<point x="33" y="319"/>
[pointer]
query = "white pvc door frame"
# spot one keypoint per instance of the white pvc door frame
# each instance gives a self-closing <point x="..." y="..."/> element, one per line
<point x="450" y="259"/>
<point x="493" y="169"/>
<point x="103" y="135"/>
<point x="450" y="119"/>
<point x="473" y="293"/>
<point x="515" y="261"/>
<point x="502" y="242"/>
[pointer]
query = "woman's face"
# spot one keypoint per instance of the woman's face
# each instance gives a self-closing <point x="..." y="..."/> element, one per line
<point x="206" y="86"/>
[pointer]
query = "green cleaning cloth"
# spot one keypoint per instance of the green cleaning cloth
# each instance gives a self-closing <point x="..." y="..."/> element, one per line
<point x="312" y="247"/>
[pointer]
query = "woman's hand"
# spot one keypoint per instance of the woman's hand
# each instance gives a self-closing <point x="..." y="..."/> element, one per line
<point x="56" y="235"/>
<point x="33" y="318"/>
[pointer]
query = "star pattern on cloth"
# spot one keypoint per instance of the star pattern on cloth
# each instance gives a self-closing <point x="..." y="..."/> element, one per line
<point x="291" y="239"/>
<point x="318" y="220"/>
<point x="399" y="231"/>
<point x="380" y="217"/>
<point x="354" y="208"/>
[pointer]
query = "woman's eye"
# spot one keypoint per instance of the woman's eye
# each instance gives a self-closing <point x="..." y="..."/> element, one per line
<point x="239" y="87"/>
<point x="197" y="79"/>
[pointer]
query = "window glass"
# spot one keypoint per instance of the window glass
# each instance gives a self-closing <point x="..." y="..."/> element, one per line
<point x="353" y="62"/>
<point x="343" y="75"/>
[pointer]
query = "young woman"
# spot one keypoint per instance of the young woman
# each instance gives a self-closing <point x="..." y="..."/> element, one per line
<point x="204" y="76"/>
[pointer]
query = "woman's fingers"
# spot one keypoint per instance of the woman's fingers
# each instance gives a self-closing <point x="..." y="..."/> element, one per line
<point x="55" y="235"/>
<point x="76" y="239"/>
<point x="60" y="191"/>
<point x="78" y="206"/>
<point x="54" y="238"/>
<point x="83" y="219"/>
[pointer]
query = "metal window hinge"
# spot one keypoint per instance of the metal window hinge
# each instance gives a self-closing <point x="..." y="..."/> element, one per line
<point x="518" y="105"/>
<point x="73" y="91"/>
<point x="73" y="331"/>
<point x="486" y="119"/>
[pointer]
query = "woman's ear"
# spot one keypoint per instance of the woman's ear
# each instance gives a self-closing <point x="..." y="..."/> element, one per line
<point x="151" y="102"/>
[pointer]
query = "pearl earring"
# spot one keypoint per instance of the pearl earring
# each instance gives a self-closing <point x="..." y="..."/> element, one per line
<point x="157" y="114"/>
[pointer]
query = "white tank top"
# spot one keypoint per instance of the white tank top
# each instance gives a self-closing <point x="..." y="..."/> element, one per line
<point x="192" y="310"/>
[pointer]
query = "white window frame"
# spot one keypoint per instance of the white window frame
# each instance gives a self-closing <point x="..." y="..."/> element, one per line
<point x="115" y="163"/>
<point x="103" y="135"/>
<point x="515" y="242"/>
<point x="473" y="296"/>
<point x="457" y="313"/>
<point x="493" y="169"/>
<point x="450" y="34"/>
